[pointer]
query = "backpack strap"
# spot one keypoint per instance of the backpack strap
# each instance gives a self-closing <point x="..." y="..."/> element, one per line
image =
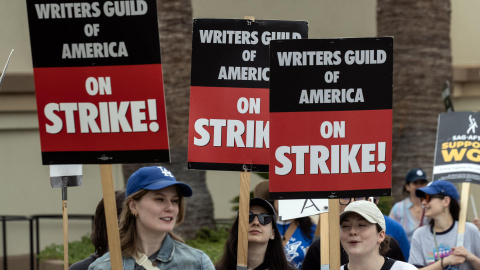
<point x="388" y="263"/>
<point x="142" y="260"/>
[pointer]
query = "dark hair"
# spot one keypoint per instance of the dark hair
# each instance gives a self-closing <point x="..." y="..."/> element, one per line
<point x="305" y="225"/>
<point x="453" y="208"/>
<point x="274" y="255"/>
<point x="385" y="245"/>
<point x="99" y="233"/>
<point x="405" y="191"/>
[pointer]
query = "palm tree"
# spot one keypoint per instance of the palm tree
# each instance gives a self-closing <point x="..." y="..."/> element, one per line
<point x="175" y="28"/>
<point x="422" y="64"/>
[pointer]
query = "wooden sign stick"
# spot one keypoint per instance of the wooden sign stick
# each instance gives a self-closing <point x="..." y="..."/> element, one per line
<point x="334" y="229"/>
<point x="243" y="209"/>
<point x="65" y="233"/>
<point x="463" y="213"/>
<point x="111" y="217"/>
<point x="64" y="176"/>
<point x="324" y="241"/>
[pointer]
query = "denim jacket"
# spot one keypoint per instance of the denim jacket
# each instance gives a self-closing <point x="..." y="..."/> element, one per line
<point x="173" y="255"/>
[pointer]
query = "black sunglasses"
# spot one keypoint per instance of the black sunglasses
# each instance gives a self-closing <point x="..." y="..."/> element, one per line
<point x="264" y="219"/>
<point x="428" y="197"/>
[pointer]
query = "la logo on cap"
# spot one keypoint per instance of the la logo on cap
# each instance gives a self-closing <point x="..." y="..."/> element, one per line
<point x="419" y="173"/>
<point x="165" y="171"/>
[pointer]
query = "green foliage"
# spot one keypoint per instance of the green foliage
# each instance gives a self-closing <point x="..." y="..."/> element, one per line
<point x="210" y="241"/>
<point x="77" y="251"/>
<point x="235" y="200"/>
<point x="385" y="204"/>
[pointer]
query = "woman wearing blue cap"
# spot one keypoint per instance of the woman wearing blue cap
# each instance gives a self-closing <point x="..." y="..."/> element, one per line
<point x="154" y="205"/>
<point x="434" y="246"/>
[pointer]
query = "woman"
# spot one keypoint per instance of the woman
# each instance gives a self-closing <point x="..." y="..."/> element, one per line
<point x="362" y="235"/>
<point x="297" y="234"/>
<point x="434" y="246"/>
<point x="265" y="249"/>
<point x="154" y="205"/>
<point x="409" y="212"/>
<point x="99" y="233"/>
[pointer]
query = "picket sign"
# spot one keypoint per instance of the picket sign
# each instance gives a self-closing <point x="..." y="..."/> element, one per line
<point x="463" y="213"/>
<point x="243" y="210"/>
<point x="111" y="216"/>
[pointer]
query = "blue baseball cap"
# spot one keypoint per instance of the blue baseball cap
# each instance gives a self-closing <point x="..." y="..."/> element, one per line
<point x="439" y="187"/>
<point x="415" y="175"/>
<point x="154" y="178"/>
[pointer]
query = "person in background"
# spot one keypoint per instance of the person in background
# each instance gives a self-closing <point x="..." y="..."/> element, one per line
<point x="434" y="246"/>
<point x="265" y="249"/>
<point x="154" y="206"/>
<point x="297" y="234"/>
<point x="312" y="259"/>
<point x="409" y="212"/>
<point x="99" y="234"/>
<point x="362" y="235"/>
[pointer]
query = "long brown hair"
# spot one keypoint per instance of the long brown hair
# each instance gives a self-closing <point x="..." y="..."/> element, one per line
<point x="274" y="255"/>
<point x="128" y="230"/>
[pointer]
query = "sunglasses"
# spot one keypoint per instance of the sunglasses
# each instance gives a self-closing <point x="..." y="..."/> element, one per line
<point x="428" y="197"/>
<point x="264" y="219"/>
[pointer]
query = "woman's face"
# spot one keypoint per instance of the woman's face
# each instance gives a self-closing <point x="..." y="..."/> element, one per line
<point x="412" y="186"/>
<point x="156" y="211"/>
<point x="358" y="236"/>
<point x="435" y="206"/>
<point x="257" y="232"/>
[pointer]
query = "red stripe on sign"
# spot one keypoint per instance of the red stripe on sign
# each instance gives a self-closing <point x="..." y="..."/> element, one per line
<point x="228" y="125"/>
<point x="107" y="108"/>
<point x="330" y="151"/>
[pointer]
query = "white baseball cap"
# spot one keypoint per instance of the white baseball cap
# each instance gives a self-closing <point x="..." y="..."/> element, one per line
<point x="367" y="210"/>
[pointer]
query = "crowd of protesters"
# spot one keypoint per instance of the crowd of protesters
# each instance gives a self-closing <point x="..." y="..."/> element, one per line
<point x="421" y="231"/>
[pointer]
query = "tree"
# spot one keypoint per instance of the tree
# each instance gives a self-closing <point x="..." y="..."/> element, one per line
<point x="422" y="64"/>
<point x="175" y="28"/>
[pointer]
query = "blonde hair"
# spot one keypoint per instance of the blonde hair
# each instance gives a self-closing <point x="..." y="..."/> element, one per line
<point x="128" y="230"/>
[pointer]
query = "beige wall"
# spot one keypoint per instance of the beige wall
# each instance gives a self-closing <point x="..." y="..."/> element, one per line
<point x="327" y="19"/>
<point x="464" y="33"/>
<point x="25" y="189"/>
<point x="14" y="35"/>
